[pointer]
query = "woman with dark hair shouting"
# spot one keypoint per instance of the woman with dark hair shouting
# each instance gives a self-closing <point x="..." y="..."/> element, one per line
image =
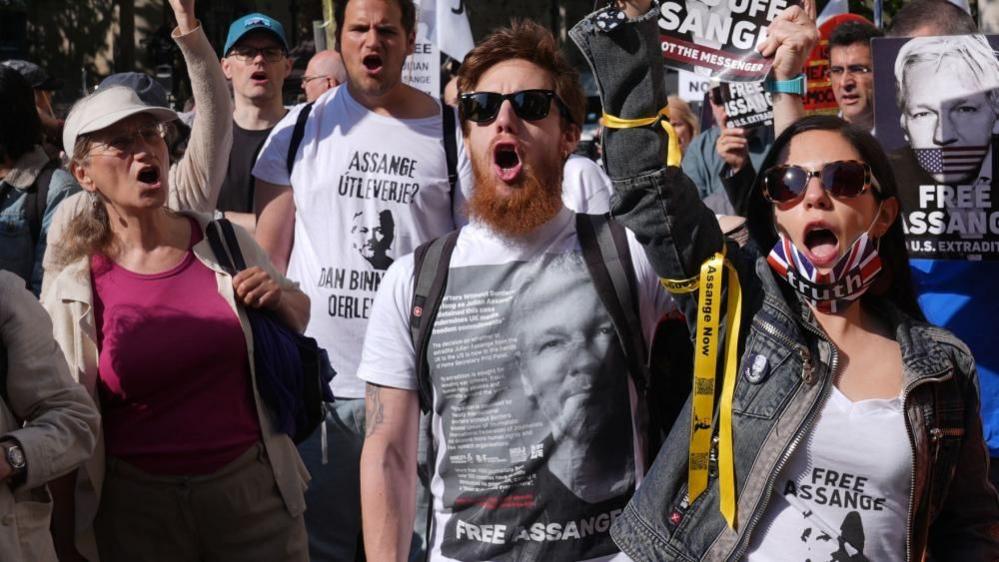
<point x="828" y="421"/>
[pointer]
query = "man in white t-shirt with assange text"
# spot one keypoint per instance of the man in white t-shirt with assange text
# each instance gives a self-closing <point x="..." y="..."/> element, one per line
<point x="368" y="183"/>
<point x="537" y="438"/>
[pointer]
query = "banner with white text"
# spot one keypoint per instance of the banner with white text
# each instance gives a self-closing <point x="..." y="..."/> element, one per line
<point x="936" y="116"/>
<point x="718" y="38"/>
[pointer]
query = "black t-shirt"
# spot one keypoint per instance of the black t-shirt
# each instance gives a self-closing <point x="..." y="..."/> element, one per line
<point x="237" y="187"/>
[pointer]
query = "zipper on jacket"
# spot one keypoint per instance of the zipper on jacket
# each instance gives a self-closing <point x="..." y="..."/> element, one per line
<point x="911" y="512"/>
<point x="808" y="368"/>
<point x="800" y="432"/>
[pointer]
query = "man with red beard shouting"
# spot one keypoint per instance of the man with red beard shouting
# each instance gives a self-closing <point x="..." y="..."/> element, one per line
<point x="537" y="441"/>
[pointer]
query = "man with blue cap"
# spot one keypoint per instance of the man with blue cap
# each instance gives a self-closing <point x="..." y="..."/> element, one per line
<point x="255" y="59"/>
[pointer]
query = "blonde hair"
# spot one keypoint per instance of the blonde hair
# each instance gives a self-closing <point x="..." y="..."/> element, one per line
<point x="89" y="232"/>
<point x="680" y="109"/>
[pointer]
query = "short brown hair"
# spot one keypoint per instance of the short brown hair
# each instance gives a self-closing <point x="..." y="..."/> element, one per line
<point x="407" y="7"/>
<point x="528" y="41"/>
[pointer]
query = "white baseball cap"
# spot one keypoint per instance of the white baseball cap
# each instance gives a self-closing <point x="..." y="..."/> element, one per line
<point x="104" y="108"/>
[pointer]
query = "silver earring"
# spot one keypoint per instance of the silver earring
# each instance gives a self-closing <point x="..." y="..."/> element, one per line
<point x="95" y="201"/>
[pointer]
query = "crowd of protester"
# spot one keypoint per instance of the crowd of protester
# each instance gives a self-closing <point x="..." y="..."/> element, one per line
<point x="488" y="300"/>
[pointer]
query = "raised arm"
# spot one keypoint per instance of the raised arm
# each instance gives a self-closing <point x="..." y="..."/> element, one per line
<point x="790" y="39"/>
<point x="196" y="179"/>
<point x="659" y="204"/>
<point x="388" y="472"/>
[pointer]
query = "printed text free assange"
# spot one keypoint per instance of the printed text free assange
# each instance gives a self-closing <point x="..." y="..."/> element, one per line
<point x="500" y="534"/>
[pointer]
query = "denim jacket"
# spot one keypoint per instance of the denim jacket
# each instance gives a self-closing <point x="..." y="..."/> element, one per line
<point x="950" y="517"/>
<point x="17" y="253"/>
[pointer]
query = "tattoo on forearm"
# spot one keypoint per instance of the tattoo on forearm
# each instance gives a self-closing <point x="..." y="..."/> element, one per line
<point x="374" y="410"/>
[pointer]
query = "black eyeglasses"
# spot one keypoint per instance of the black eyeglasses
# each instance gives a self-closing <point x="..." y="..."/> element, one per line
<point x="247" y="54"/>
<point x="530" y="105"/>
<point x="845" y="178"/>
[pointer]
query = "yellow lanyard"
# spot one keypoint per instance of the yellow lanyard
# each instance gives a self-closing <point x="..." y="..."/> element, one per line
<point x="705" y="374"/>
<point x="673" y="153"/>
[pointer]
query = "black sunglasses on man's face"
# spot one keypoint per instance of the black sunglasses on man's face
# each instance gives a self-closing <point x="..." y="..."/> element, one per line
<point x="530" y="105"/>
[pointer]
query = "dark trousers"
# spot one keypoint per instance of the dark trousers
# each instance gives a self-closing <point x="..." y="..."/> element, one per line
<point x="235" y="514"/>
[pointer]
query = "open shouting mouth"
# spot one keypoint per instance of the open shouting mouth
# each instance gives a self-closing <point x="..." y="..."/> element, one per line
<point x="372" y="63"/>
<point x="149" y="177"/>
<point x="507" y="162"/>
<point x="821" y="244"/>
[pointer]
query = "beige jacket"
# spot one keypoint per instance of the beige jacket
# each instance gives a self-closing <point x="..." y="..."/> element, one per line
<point x="69" y="301"/>
<point x="195" y="179"/>
<point x="60" y="422"/>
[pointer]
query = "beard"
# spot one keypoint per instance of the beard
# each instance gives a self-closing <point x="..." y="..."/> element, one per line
<point x="535" y="198"/>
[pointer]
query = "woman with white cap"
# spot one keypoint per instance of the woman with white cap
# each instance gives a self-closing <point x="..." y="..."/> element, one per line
<point x="196" y="177"/>
<point x="188" y="465"/>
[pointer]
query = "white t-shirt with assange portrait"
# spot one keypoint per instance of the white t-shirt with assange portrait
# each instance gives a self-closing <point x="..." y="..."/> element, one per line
<point x="535" y="418"/>
<point x="368" y="189"/>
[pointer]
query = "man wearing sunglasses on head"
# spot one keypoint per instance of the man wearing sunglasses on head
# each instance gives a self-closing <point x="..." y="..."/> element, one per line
<point x="255" y="60"/>
<point x="537" y="439"/>
<point x="371" y="156"/>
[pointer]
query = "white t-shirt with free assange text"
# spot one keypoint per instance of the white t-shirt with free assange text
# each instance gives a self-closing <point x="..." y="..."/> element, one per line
<point x="844" y="494"/>
<point x="534" y="414"/>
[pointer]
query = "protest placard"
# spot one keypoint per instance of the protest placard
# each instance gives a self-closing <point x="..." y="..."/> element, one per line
<point x="936" y="117"/>
<point x="746" y="104"/>
<point x="422" y="69"/>
<point x="692" y="87"/>
<point x="442" y="27"/>
<point x="718" y="36"/>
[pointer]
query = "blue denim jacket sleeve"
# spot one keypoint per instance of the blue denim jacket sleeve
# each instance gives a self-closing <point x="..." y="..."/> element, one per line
<point x="63" y="185"/>
<point x="15" y="236"/>
<point x="659" y="204"/>
<point x="694" y="162"/>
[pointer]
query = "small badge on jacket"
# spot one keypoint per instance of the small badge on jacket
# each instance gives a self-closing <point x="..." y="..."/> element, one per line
<point x="756" y="369"/>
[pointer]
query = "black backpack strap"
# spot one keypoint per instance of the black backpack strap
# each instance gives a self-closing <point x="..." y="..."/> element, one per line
<point x="37" y="201"/>
<point x="227" y="252"/>
<point x="296" y="136"/>
<point x="608" y="258"/>
<point x="431" y="262"/>
<point x="233" y="243"/>
<point x="450" y="145"/>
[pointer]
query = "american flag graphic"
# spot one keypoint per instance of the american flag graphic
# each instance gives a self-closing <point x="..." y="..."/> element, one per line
<point x="951" y="159"/>
<point x="829" y="292"/>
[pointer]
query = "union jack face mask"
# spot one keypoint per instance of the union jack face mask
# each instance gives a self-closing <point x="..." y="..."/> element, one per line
<point x="834" y="290"/>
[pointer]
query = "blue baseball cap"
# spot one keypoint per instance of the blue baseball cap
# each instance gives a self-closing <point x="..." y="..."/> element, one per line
<point x="253" y="22"/>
